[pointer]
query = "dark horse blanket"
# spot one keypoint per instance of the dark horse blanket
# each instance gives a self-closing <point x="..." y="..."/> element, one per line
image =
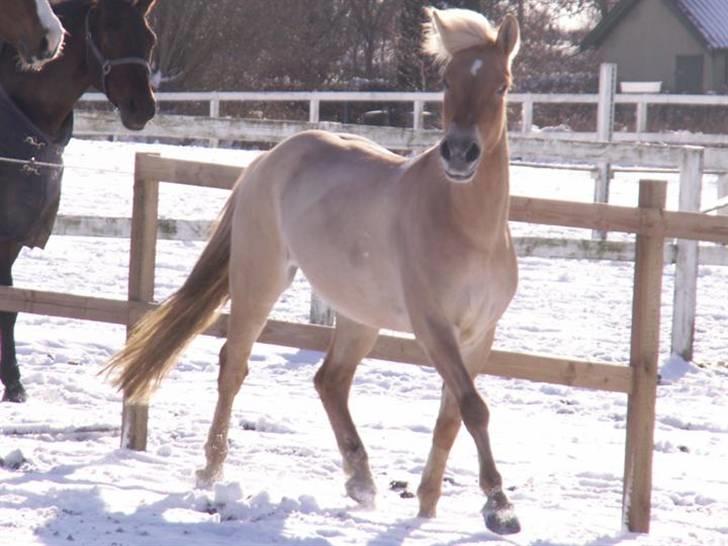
<point x="29" y="193"/>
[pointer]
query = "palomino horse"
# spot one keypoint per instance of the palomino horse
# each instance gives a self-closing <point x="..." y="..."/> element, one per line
<point x="31" y="27"/>
<point x="419" y="245"/>
<point x="108" y="46"/>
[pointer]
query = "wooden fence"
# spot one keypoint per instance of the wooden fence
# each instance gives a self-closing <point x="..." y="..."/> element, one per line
<point x="690" y="161"/>
<point x="638" y="380"/>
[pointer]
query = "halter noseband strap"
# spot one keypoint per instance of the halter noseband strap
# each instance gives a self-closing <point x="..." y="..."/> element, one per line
<point x="108" y="64"/>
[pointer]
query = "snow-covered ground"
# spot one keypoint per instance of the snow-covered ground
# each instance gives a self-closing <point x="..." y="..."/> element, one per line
<point x="560" y="450"/>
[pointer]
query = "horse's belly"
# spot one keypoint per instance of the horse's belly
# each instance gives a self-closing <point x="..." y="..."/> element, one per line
<point x="365" y="291"/>
<point x="352" y="269"/>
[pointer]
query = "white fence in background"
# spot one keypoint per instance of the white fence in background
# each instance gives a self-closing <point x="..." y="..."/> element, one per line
<point x="604" y="151"/>
<point x="527" y="101"/>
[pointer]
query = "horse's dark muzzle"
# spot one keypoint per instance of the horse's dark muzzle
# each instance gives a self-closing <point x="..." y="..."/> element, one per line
<point x="460" y="153"/>
<point x="136" y="114"/>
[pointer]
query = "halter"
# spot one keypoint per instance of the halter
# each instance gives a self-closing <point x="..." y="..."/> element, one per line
<point x="108" y="64"/>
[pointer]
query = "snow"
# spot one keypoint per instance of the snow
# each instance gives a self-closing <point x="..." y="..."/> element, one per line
<point x="64" y="480"/>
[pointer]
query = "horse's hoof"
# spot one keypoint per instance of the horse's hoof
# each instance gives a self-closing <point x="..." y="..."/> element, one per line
<point x="362" y="491"/>
<point x="15" y="393"/>
<point x="502" y="521"/>
<point x="207" y="477"/>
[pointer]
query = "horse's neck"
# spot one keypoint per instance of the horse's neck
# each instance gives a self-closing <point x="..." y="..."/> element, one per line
<point x="481" y="207"/>
<point x="48" y="96"/>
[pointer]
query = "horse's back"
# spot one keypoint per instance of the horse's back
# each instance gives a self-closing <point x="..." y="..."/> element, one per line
<point x="325" y="173"/>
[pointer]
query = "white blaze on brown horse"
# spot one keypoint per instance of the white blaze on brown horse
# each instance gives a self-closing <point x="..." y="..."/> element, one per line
<point x="32" y="28"/>
<point x="419" y="245"/>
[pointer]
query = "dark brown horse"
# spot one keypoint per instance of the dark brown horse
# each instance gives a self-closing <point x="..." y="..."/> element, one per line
<point x="108" y="47"/>
<point x="32" y="28"/>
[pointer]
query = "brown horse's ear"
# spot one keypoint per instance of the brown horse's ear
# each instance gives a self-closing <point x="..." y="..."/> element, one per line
<point x="509" y="36"/>
<point x="145" y="6"/>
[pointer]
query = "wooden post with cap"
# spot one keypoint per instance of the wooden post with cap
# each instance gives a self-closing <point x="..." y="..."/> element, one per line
<point x="142" y="258"/>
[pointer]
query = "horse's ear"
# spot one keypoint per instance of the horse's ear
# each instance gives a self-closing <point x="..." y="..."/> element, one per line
<point x="509" y="36"/>
<point x="145" y="6"/>
<point x="437" y="21"/>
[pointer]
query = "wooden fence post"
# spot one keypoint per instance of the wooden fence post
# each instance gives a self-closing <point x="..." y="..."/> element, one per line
<point x="142" y="258"/>
<point x="314" y="109"/>
<point x="641" y="115"/>
<point x="644" y="353"/>
<point x="686" y="259"/>
<point x="722" y="186"/>
<point x="320" y="312"/>
<point x="605" y="131"/>
<point x="214" y="113"/>
<point x="418" y="112"/>
<point x="602" y="174"/>
<point x="527" y="115"/>
<point x="605" y="108"/>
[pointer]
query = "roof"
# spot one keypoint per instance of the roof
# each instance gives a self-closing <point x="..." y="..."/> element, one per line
<point x="708" y="19"/>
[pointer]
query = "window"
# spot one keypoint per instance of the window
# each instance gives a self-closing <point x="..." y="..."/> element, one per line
<point x="689" y="74"/>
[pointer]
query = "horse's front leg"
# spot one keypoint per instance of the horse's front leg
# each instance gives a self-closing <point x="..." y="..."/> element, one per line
<point x="446" y="430"/>
<point x="439" y="340"/>
<point x="9" y="372"/>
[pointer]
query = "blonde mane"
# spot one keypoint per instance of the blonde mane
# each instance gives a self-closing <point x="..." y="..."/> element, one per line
<point x="453" y="30"/>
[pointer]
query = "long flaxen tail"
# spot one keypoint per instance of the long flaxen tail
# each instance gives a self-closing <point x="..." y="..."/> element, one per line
<point x="160" y="336"/>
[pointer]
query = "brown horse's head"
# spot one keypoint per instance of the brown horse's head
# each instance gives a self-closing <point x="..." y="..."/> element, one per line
<point x="476" y="62"/>
<point x="119" y="45"/>
<point x="33" y="29"/>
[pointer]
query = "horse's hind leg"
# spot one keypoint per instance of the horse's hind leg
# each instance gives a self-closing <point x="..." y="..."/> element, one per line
<point x="259" y="273"/>
<point x="446" y="430"/>
<point x="352" y="342"/>
<point x="9" y="372"/>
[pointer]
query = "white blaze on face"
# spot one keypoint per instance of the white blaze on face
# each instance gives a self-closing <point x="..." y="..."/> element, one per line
<point x="51" y="23"/>
<point x="477" y="65"/>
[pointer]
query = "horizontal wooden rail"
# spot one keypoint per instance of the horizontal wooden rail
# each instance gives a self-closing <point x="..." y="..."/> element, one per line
<point x="246" y="130"/>
<point x="297" y="96"/>
<point x="680" y="225"/>
<point x="170" y="229"/>
<point x="190" y="173"/>
<point x="411" y="96"/>
<point x="547" y="369"/>
<point x="545" y="147"/>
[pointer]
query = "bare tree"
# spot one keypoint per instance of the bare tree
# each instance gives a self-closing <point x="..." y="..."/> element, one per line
<point x="408" y="57"/>
<point x="185" y="38"/>
<point x="371" y="22"/>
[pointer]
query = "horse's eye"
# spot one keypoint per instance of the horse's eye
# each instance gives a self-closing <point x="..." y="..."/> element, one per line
<point x="445" y="85"/>
<point x="502" y="90"/>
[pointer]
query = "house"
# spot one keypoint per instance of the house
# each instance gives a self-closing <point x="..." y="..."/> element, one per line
<point x="681" y="43"/>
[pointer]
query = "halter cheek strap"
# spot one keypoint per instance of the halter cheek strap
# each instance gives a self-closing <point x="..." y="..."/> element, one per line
<point x="108" y="64"/>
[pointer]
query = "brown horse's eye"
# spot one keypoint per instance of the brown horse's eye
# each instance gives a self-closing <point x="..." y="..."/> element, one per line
<point x="502" y="90"/>
<point x="445" y="85"/>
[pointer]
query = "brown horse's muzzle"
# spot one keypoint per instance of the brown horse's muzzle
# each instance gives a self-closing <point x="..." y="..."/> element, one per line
<point x="136" y="111"/>
<point x="460" y="153"/>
